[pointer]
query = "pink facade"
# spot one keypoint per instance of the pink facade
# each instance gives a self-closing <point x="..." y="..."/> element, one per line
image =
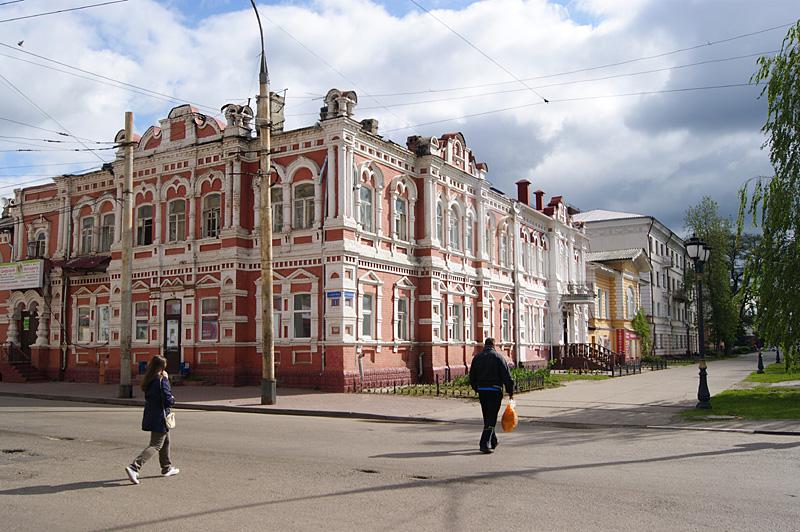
<point x="391" y="263"/>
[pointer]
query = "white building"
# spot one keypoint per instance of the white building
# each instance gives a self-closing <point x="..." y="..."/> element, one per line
<point x="667" y="305"/>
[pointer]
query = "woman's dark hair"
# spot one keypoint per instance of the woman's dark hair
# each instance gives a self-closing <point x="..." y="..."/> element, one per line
<point x="154" y="367"/>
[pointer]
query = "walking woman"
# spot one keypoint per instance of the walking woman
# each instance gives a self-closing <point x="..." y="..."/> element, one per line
<point x="158" y="401"/>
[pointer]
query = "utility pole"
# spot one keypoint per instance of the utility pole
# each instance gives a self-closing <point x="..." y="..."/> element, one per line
<point x="126" y="320"/>
<point x="263" y="122"/>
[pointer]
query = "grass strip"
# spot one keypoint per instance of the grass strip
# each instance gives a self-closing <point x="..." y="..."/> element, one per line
<point x="761" y="402"/>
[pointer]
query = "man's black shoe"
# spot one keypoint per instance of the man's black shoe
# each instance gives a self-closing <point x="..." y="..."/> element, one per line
<point x="486" y="450"/>
<point x="494" y="443"/>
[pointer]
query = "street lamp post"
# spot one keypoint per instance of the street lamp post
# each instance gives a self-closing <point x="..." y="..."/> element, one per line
<point x="698" y="251"/>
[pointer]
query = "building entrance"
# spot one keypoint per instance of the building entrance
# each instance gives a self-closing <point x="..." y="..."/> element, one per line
<point x="172" y="335"/>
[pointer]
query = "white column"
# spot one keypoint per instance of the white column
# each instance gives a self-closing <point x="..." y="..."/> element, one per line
<point x="340" y="200"/>
<point x="190" y="215"/>
<point x="236" y="221"/>
<point x="118" y="217"/>
<point x="430" y="208"/>
<point x="62" y="216"/>
<point x="330" y="175"/>
<point x="228" y="189"/>
<point x="348" y="180"/>
<point x="481" y="249"/>
<point x="12" y="334"/>
<point x="43" y="330"/>
<point x="158" y="216"/>
<point x="256" y="210"/>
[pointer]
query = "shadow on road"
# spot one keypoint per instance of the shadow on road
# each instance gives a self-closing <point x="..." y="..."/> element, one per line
<point x="429" y="454"/>
<point x="49" y="489"/>
<point x="450" y="481"/>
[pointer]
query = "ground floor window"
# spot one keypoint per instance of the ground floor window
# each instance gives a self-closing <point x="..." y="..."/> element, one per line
<point x="302" y="315"/>
<point x="84" y="325"/>
<point x="103" y="315"/>
<point x="402" y="318"/>
<point x="140" y="321"/>
<point x="209" y="319"/>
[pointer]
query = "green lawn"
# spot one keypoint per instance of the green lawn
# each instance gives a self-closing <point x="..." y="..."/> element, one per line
<point x="774" y="373"/>
<point x="761" y="402"/>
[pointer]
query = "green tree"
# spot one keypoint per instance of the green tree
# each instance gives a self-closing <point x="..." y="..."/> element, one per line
<point x="720" y="311"/>
<point x="642" y="328"/>
<point x="774" y="204"/>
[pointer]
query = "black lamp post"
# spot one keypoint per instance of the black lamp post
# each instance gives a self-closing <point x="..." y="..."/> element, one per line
<point x="698" y="251"/>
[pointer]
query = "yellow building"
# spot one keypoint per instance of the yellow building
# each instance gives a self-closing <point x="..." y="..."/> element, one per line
<point x="615" y="275"/>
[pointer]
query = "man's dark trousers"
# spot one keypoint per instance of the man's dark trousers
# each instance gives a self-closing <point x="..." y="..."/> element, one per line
<point x="490" y="406"/>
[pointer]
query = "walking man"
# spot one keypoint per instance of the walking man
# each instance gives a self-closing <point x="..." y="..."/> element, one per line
<point x="487" y="376"/>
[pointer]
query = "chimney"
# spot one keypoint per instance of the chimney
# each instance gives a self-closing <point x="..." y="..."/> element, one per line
<point x="539" y="201"/>
<point x="523" y="191"/>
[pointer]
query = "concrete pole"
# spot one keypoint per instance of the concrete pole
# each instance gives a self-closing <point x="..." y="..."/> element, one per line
<point x="268" y="383"/>
<point x="126" y="277"/>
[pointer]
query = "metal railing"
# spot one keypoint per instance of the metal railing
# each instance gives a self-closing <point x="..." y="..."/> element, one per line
<point x="442" y="388"/>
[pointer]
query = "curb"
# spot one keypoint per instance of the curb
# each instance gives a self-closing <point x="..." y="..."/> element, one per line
<point x="341" y="414"/>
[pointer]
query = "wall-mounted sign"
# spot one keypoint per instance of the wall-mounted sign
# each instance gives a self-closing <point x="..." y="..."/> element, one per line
<point x="22" y="274"/>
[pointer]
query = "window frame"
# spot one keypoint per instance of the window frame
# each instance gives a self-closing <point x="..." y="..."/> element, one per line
<point x="366" y="209"/>
<point x="87" y="235"/>
<point x="402" y="317"/>
<point x="176" y="220"/>
<point x="368" y="316"/>
<point x="103" y="323"/>
<point x="277" y="207"/>
<point x="144" y="225"/>
<point x="141" y="320"/>
<point x="301" y="313"/>
<point x="107" y="231"/>
<point x="400" y="219"/>
<point x="303" y="207"/>
<point x="84" y="332"/>
<point x="211" y="216"/>
<point x="209" y="317"/>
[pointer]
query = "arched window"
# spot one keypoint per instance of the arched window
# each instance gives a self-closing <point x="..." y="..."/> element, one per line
<point x="276" y="200"/>
<point x="87" y="232"/>
<point x="365" y="208"/>
<point x="440" y="223"/>
<point x="304" y="206"/>
<point x="525" y="250"/>
<point x="40" y="246"/>
<point x="503" y="248"/>
<point x="455" y="232"/>
<point x="144" y="225"/>
<point x="176" y="224"/>
<point x="631" y="303"/>
<point x="469" y="235"/>
<point x="400" y="219"/>
<point x="211" y="215"/>
<point x="488" y="235"/>
<point x="107" y="232"/>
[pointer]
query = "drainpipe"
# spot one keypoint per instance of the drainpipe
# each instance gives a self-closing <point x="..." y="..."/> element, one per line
<point x="65" y="289"/>
<point x="517" y="314"/>
<point x="669" y="280"/>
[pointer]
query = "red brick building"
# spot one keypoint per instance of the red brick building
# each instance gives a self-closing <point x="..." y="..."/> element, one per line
<point x="392" y="263"/>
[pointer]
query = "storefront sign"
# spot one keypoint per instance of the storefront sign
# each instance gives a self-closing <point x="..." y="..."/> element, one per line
<point x="22" y="274"/>
<point x="620" y="341"/>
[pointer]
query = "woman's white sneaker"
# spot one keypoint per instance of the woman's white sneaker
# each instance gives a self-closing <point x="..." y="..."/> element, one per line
<point x="171" y="472"/>
<point x="133" y="476"/>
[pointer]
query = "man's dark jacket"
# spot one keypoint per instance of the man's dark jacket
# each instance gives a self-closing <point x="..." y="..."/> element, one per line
<point x="489" y="370"/>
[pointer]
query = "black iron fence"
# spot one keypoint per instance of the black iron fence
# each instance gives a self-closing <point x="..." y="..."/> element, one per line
<point x="12" y="354"/>
<point x="442" y="388"/>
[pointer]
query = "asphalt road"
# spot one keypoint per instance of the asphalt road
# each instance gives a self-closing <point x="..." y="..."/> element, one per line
<point x="61" y="468"/>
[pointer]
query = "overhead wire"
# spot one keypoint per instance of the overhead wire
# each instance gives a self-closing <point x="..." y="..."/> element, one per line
<point x="61" y="133"/>
<point x="63" y="10"/>
<point x="45" y="113"/>
<point x="474" y="47"/>
<point x="11" y="2"/>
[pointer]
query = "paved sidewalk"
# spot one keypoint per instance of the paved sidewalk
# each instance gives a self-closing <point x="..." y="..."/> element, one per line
<point x="649" y="400"/>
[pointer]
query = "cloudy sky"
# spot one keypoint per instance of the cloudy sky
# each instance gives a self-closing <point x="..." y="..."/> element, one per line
<point x="638" y="118"/>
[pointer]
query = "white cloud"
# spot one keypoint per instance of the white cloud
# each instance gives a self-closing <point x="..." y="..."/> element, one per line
<point x="653" y="154"/>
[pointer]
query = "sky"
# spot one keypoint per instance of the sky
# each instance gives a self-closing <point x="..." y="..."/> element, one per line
<point x="649" y="108"/>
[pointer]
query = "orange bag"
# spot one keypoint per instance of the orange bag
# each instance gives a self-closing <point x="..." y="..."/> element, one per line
<point x="510" y="419"/>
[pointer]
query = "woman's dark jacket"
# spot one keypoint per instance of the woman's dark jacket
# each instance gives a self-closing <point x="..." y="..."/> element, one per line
<point x="490" y="370"/>
<point x="157" y="399"/>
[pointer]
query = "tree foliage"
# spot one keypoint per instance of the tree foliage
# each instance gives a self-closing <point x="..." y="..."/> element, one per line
<point x="774" y="203"/>
<point x="720" y="312"/>
<point x="642" y="329"/>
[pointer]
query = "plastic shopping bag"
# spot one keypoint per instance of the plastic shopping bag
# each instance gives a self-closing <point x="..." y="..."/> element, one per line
<point x="509" y="420"/>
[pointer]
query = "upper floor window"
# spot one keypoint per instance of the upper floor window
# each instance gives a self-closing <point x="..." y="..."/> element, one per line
<point x="400" y="219"/>
<point x="211" y="215"/>
<point x="455" y="233"/>
<point x="176" y="225"/>
<point x="506" y="324"/>
<point x="469" y="236"/>
<point x="631" y="300"/>
<point x="38" y="247"/>
<point x="276" y="200"/>
<point x="439" y="222"/>
<point x="302" y="315"/>
<point x="144" y="225"/>
<point x="402" y="318"/>
<point x="304" y="206"/>
<point x="365" y="208"/>
<point x="367" y="315"/>
<point x="107" y="232"/>
<point x="87" y="232"/>
<point x="503" y="249"/>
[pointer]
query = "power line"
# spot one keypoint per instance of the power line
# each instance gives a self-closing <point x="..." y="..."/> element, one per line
<point x="44" y="164"/>
<point x="576" y="99"/>
<point x="562" y="83"/>
<point x="47" y="115"/>
<point x="484" y="54"/>
<point x="4" y="119"/>
<point x="597" y="67"/>
<point x="53" y="140"/>
<point x="63" y="10"/>
<point x="137" y="89"/>
<point x="11" y="2"/>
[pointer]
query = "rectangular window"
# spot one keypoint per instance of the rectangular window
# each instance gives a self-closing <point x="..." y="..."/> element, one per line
<point x="177" y="221"/>
<point x="103" y="315"/>
<point x="367" y="316"/>
<point x="87" y="228"/>
<point x="455" y="321"/>
<point x="302" y="316"/>
<point x="140" y="317"/>
<point x="84" y="325"/>
<point x="469" y="236"/>
<point x="211" y="215"/>
<point x="209" y="319"/>
<point x="277" y="209"/>
<point x="402" y="318"/>
<point x="304" y="206"/>
<point x="365" y="208"/>
<point x="107" y="232"/>
<point x="276" y="316"/>
<point x="400" y="220"/>
<point x="144" y="226"/>
<point x="467" y="322"/>
<point x="506" y="325"/>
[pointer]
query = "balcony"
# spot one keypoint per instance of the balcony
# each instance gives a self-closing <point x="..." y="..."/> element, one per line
<point x="578" y="293"/>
